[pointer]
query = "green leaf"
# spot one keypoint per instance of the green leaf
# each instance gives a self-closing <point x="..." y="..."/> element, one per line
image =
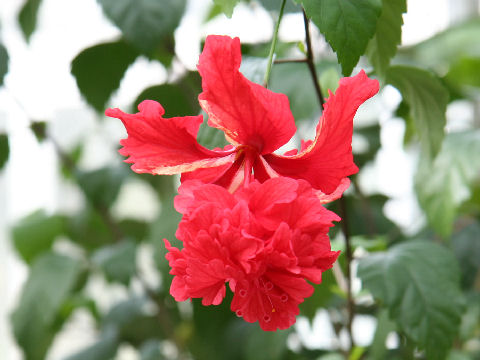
<point x="227" y="6"/>
<point x="117" y="261"/>
<point x="28" y="17"/>
<point x="274" y="5"/>
<point x="36" y="233"/>
<point x="418" y="283"/>
<point x="385" y="326"/>
<point x="427" y="98"/>
<point x="145" y="23"/>
<point x="173" y="99"/>
<point x="4" y="150"/>
<point x="35" y="320"/>
<point x="348" y="25"/>
<point x="444" y="184"/>
<point x="103" y="185"/>
<point x="320" y="298"/>
<point x="87" y="229"/>
<point x="99" y="69"/>
<point x="465" y="72"/>
<point x="466" y="246"/>
<point x="3" y="63"/>
<point x="388" y="35"/>
<point x="151" y="350"/>
<point x="39" y="129"/>
<point x="103" y="349"/>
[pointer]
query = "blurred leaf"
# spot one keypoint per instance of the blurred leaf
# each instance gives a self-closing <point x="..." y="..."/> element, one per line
<point x="427" y="98"/>
<point x="36" y="233"/>
<point x="99" y="69"/>
<point x="102" y="186"/>
<point x="445" y="183"/>
<point x="329" y="80"/>
<point x="39" y="129"/>
<point x="227" y="6"/>
<point x="51" y="278"/>
<point x="418" y="283"/>
<point x="3" y="63"/>
<point x="145" y="23"/>
<point x="27" y="17"/>
<point x="4" y="150"/>
<point x="385" y="326"/>
<point x="150" y="350"/>
<point x="88" y="229"/>
<point x="173" y="99"/>
<point x="371" y="134"/>
<point x="254" y="68"/>
<point x="348" y="25"/>
<point x="266" y="345"/>
<point x="465" y="71"/>
<point x="466" y="246"/>
<point x="388" y="35"/>
<point x="274" y="5"/>
<point x="117" y="261"/>
<point x="447" y="46"/>
<point x="135" y="229"/>
<point x="103" y="349"/>
<point x="320" y="298"/>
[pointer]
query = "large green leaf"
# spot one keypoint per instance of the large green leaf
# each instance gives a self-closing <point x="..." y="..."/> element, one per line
<point x="117" y="261"/>
<point x="146" y="24"/>
<point x="3" y="63"/>
<point x="427" y="98"/>
<point x="35" y="234"/>
<point x="104" y="349"/>
<point x="348" y="26"/>
<point x="444" y="184"/>
<point x="4" y="150"/>
<point x="465" y="71"/>
<point x="99" y="69"/>
<point x="388" y="36"/>
<point x="27" y="17"/>
<point x="418" y="282"/>
<point x="35" y="319"/>
<point x="466" y="246"/>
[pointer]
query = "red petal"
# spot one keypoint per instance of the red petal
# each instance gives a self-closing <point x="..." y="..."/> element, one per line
<point x="158" y="145"/>
<point x="248" y="113"/>
<point x="328" y="159"/>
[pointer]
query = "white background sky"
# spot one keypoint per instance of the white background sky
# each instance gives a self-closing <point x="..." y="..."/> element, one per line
<point x="39" y="86"/>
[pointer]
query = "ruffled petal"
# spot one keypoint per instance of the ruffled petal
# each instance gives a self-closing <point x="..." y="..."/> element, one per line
<point x="248" y="113"/>
<point x="328" y="159"/>
<point x="162" y="146"/>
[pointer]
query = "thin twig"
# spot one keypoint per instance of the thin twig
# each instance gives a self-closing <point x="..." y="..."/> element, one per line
<point x="286" y="61"/>
<point x="343" y="209"/>
<point x="310" y="61"/>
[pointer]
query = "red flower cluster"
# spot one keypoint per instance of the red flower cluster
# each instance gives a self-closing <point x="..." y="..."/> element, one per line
<point x="264" y="240"/>
<point x="251" y="218"/>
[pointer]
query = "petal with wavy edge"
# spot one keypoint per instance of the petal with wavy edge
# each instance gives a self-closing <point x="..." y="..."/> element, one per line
<point x="328" y="160"/>
<point x="248" y="113"/>
<point x="165" y="146"/>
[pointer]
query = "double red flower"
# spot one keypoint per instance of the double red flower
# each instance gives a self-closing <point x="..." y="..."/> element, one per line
<point x="251" y="218"/>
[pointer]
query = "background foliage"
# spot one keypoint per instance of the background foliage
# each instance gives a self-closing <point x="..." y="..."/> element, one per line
<point x="424" y="287"/>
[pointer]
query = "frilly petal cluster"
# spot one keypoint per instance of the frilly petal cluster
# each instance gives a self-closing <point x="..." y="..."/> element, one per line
<point x="265" y="241"/>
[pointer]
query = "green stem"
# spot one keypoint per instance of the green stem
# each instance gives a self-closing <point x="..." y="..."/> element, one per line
<point x="274" y="43"/>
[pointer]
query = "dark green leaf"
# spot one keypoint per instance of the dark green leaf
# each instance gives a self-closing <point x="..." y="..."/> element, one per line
<point x="348" y="25"/>
<point x="99" y="69"/>
<point x="427" y="98"/>
<point x="103" y="349"/>
<point x="388" y="36"/>
<point x="378" y="350"/>
<point x="175" y="100"/>
<point x="227" y="6"/>
<point x="266" y="345"/>
<point x="117" y="261"/>
<point x="466" y="246"/>
<point x="3" y="63"/>
<point x="103" y="185"/>
<point x="39" y="128"/>
<point x="146" y="24"/>
<point x="88" y="229"/>
<point x="135" y="229"/>
<point x="4" y="150"/>
<point x="444" y="184"/>
<point x="320" y="298"/>
<point x="28" y="17"/>
<point x="36" y="233"/>
<point x="418" y="282"/>
<point x="51" y="278"/>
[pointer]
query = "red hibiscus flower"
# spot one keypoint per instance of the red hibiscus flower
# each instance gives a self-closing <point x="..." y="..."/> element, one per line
<point x="256" y="121"/>
<point x="265" y="240"/>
